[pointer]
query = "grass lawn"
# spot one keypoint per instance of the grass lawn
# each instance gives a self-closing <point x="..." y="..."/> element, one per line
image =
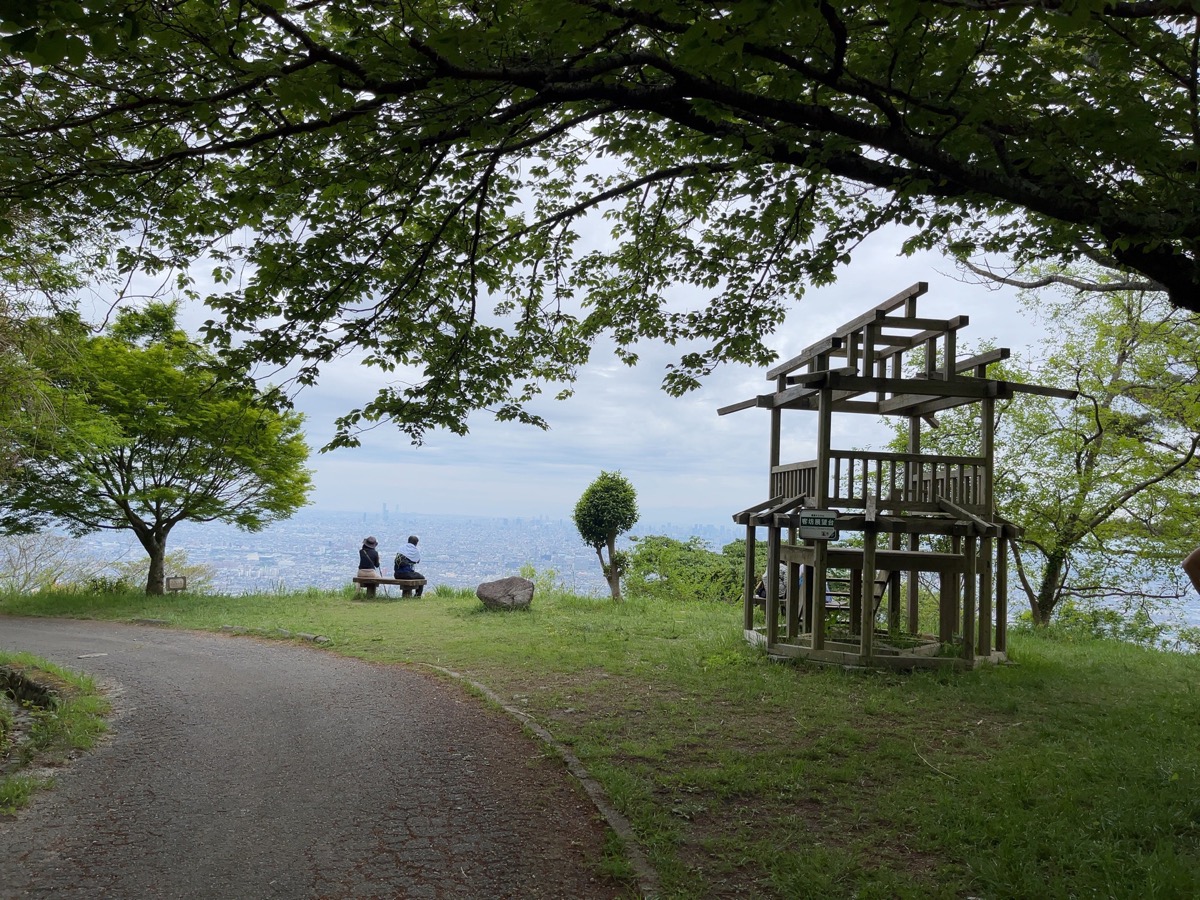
<point x="1073" y="772"/>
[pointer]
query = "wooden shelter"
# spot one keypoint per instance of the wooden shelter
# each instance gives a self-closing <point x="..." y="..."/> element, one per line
<point x="856" y="602"/>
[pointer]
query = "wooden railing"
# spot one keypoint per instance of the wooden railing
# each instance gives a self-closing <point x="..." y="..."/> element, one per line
<point x="910" y="482"/>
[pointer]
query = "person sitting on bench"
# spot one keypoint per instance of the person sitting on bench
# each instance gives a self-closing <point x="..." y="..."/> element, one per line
<point x="368" y="559"/>
<point x="406" y="559"/>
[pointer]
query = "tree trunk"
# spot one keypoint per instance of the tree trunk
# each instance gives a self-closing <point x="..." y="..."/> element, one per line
<point x="154" y="542"/>
<point x="611" y="575"/>
<point x="156" y="577"/>
<point x="1043" y="604"/>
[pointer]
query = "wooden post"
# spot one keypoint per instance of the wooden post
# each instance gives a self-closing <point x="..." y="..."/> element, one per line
<point x="914" y="541"/>
<point x="772" y="585"/>
<point x="946" y="604"/>
<point x="984" y="647"/>
<point x="793" y="598"/>
<point x="1002" y="593"/>
<point x="807" y="598"/>
<point x="968" y="608"/>
<point x="820" y="560"/>
<point x="856" y="600"/>
<point x="821" y="551"/>
<point x="866" y="648"/>
<point x="956" y="546"/>
<point x="776" y="431"/>
<point x="751" y="581"/>
<point x="986" y="498"/>
<point x="893" y="590"/>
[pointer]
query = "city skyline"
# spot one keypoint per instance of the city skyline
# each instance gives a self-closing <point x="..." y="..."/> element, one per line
<point x="317" y="549"/>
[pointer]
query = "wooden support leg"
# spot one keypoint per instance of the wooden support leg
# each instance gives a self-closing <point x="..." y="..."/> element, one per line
<point x="821" y="560"/>
<point x="750" y="581"/>
<point x="793" y="600"/>
<point x="772" y="585"/>
<point x="867" y="579"/>
<point x="807" y="598"/>
<point x="856" y="601"/>
<point x="947" y="600"/>
<point x="968" y="606"/>
<point x="956" y="546"/>
<point x="369" y="587"/>
<point x="986" y="592"/>
<point x="914" y="611"/>
<point x="893" y="593"/>
<point x="1002" y="595"/>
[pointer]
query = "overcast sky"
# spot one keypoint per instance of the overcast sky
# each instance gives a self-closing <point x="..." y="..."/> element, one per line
<point x="687" y="464"/>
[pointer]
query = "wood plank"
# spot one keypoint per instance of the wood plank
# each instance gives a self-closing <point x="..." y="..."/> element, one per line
<point x="836" y="342"/>
<point x="975" y="388"/>
<point x="1040" y="390"/>
<point x="815" y="378"/>
<point x="752" y="403"/>
<point x="825" y="345"/>
<point x="757" y="507"/>
<point x="922" y="406"/>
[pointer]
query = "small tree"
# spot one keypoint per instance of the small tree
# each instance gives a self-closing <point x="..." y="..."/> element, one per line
<point x="607" y="508"/>
<point x="148" y="432"/>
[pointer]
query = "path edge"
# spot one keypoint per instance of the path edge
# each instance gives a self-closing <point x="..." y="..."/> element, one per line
<point x="647" y="875"/>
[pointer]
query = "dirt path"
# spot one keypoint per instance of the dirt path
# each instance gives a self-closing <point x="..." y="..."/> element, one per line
<point x="245" y="769"/>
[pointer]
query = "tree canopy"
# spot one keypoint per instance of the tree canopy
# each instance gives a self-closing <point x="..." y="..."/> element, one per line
<point x="147" y="432"/>
<point x="472" y="193"/>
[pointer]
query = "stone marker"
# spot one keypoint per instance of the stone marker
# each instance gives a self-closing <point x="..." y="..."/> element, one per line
<point x="507" y="593"/>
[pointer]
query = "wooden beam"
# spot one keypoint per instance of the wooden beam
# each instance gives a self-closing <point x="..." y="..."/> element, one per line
<point x="963" y="387"/>
<point x="742" y="517"/>
<point x="815" y="378"/>
<point x="984" y="526"/>
<point x="826" y="345"/>
<point x="738" y="407"/>
<point x="1039" y="390"/>
<point x="836" y="341"/>
<point x="922" y="407"/>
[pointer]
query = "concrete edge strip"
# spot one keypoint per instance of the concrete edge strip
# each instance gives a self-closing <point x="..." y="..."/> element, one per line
<point x="647" y="876"/>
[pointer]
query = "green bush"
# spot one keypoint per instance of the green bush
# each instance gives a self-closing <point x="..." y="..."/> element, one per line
<point x="107" y="584"/>
<point x="667" y="569"/>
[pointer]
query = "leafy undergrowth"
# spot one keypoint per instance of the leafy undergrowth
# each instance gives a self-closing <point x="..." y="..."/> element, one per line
<point x="1070" y="772"/>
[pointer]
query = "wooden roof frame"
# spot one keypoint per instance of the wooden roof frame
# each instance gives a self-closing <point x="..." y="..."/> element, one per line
<point x="873" y="347"/>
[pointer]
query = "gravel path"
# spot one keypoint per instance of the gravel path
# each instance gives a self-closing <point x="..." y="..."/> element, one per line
<point x="239" y="768"/>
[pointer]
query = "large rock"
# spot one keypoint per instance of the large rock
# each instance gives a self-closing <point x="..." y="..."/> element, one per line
<point x="507" y="593"/>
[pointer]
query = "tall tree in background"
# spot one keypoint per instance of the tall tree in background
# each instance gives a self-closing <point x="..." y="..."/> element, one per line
<point x="147" y="432"/>
<point x="607" y="509"/>
<point x="426" y="180"/>
<point x="1105" y="486"/>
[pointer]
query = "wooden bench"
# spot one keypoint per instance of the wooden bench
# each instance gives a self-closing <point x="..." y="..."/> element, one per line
<point x="407" y="585"/>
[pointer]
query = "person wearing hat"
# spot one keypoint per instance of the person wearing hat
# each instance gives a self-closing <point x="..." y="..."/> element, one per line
<point x="368" y="559"/>
<point x="406" y="559"/>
